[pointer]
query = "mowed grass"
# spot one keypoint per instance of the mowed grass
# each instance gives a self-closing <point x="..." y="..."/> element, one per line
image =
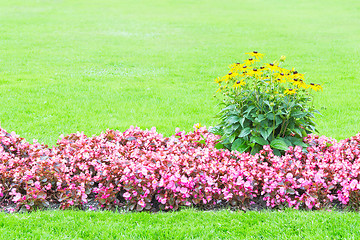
<point x="68" y="66"/>
<point x="187" y="224"/>
<point x="89" y="65"/>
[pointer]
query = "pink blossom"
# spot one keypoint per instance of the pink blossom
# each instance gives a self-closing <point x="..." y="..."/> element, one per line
<point x="142" y="203"/>
<point x="126" y="195"/>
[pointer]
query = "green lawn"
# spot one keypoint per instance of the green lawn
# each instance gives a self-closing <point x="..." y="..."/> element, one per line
<point x="68" y="66"/>
<point x="188" y="224"/>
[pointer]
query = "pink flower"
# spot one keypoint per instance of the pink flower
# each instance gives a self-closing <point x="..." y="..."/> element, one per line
<point x="354" y="184"/>
<point x="37" y="185"/>
<point x="162" y="200"/>
<point x="126" y="195"/>
<point x="183" y="190"/>
<point x="17" y="197"/>
<point x="142" y="203"/>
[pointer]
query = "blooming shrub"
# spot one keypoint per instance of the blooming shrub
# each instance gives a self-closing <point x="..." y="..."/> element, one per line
<point x="264" y="104"/>
<point x="142" y="170"/>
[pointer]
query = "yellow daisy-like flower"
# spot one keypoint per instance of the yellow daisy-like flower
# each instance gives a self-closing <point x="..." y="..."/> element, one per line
<point x="218" y="80"/>
<point x="256" y="54"/>
<point x="229" y="76"/>
<point x="197" y="126"/>
<point x="273" y="67"/>
<point x="298" y="83"/>
<point x="239" y="83"/>
<point x="282" y="59"/>
<point x="249" y="61"/>
<point x="281" y="77"/>
<point x="235" y="66"/>
<point x="254" y="73"/>
<point x="290" y="91"/>
<point x="297" y="75"/>
<point x="315" y="87"/>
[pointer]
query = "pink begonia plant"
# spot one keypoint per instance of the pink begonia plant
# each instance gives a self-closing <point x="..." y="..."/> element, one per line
<point x="142" y="170"/>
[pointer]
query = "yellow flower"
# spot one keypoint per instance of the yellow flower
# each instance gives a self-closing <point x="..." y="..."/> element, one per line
<point x="197" y="126"/>
<point x="239" y="84"/>
<point x="281" y="77"/>
<point x="282" y="59"/>
<point x="218" y="80"/>
<point x="295" y="74"/>
<point x="273" y="67"/>
<point x="235" y="67"/>
<point x="254" y="73"/>
<point x="249" y="61"/>
<point x="315" y="87"/>
<point x="229" y="76"/>
<point x="256" y="54"/>
<point x="290" y="91"/>
<point x="299" y="83"/>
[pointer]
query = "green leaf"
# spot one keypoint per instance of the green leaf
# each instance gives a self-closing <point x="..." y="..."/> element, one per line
<point x="278" y="120"/>
<point x="259" y="140"/>
<point x="231" y="138"/>
<point x="255" y="149"/>
<point x="230" y="107"/>
<point x="219" y="146"/>
<point x="299" y="114"/>
<point x="244" y="132"/>
<point x="316" y="111"/>
<point x="297" y="141"/>
<point x="297" y="131"/>
<point x="279" y="143"/>
<point x="288" y="143"/>
<point x="277" y="152"/>
<point x="235" y="126"/>
<point x="329" y="144"/>
<point x="270" y="116"/>
<point x="248" y="110"/>
<point x="202" y="141"/>
<point x="242" y="121"/>
<point x="233" y="119"/>
<point x="239" y="145"/>
<point x="265" y="133"/>
<point x="228" y="131"/>
<point x="260" y="118"/>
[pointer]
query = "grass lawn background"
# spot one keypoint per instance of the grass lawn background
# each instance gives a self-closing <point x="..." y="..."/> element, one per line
<point x="68" y="66"/>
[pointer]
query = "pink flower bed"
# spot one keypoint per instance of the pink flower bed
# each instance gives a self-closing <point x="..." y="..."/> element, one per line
<point x="142" y="170"/>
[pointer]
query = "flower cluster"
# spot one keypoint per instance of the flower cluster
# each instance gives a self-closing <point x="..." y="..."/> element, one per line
<point x="264" y="104"/>
<point x="142" y="170"/>
<point x="277" y="79"/>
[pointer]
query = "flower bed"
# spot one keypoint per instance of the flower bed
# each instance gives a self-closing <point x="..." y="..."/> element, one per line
<point x="142" y="170"/>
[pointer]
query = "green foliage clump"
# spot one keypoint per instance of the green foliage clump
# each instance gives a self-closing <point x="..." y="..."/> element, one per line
<point x="264" y="104"/>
